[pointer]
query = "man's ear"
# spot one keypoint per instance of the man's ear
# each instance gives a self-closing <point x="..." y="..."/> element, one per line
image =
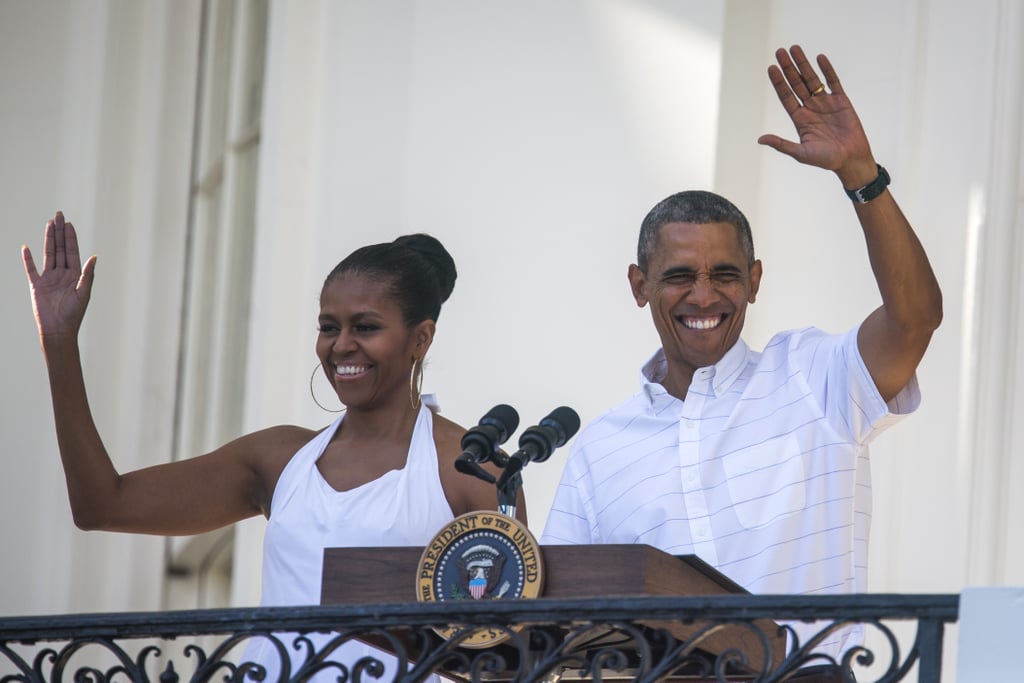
<point x="637" y="283"/>
<point x="756" y="270"/>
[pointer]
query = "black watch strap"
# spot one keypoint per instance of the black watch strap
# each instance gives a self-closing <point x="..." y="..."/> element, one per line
<point x="863" y="195"/>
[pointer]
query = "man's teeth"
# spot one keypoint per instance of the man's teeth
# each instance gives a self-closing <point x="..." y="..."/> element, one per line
<point x="351" y="369"/>
<point x="702" y="323"/>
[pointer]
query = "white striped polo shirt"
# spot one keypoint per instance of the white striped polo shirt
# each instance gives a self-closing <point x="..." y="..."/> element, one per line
<point x="762" y="471"/>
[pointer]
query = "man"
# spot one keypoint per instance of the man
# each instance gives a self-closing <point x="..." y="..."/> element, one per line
<point x="757" y="461"/>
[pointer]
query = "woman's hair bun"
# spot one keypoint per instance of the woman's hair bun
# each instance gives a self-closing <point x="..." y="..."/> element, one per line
<point x="442" y="263"/>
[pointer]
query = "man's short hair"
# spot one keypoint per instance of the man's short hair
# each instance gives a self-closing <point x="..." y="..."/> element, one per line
<point x="691" y="206"/>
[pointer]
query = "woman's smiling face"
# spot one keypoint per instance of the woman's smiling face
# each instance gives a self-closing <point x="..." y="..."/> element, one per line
<point x="364" y="344"/>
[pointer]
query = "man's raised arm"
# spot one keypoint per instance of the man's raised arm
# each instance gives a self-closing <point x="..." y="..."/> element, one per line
<point x="893" y="338"/>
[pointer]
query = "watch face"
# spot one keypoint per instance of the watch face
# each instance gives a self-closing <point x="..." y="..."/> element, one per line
<point x="480" y="556"/>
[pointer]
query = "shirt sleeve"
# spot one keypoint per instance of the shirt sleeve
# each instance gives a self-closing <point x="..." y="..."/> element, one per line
<point x="836" y="374"/>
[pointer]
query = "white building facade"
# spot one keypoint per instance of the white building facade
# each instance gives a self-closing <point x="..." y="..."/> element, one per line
<point x="221" y="157"/>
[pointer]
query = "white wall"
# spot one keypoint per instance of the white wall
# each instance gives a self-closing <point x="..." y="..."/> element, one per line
<point x="531" y="137"/>
<point x="97" y="121"/>
<point x="522" y="145"/>
<point x="533" y="148"/>
<point x="34" y="500"/>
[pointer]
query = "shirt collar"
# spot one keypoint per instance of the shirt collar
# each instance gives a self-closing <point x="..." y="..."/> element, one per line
<point x="721" y="375"/>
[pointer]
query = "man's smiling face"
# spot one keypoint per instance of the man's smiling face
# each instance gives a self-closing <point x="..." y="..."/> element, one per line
<point x="699" y="281"/>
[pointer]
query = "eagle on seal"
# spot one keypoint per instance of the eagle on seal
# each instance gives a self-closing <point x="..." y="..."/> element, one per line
<point x="480" y="570"/>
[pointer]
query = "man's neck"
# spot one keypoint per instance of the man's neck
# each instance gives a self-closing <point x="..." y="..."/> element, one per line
<point x="677" y="382"/>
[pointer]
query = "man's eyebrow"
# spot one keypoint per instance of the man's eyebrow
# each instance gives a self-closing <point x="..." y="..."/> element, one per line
<point x="678" y="270"/>
<point x="688" y="270"/>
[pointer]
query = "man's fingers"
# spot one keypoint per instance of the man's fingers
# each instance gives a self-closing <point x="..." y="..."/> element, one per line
<point x="792" y="74"/>
<point x="807" y="72"/>
<point x="830" y="75"/>
<point x="806" y="78"/>
<point x="787" y="147"/>
<point x="789" y="101"/>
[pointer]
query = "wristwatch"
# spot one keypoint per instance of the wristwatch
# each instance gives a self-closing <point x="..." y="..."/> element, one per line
<point x="863" y="195"/>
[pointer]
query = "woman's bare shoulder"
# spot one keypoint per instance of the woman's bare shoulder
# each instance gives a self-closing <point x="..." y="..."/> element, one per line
<point x="449" y="435"/>
<point x="272" y="441"/>
<point x="269" y="450"/>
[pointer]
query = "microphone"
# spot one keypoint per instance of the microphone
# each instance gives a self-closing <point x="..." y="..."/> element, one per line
<point x="538" y="442"/>
<point x="480" y="444"/>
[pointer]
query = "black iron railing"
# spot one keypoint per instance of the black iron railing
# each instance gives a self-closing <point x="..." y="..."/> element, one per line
<point x="545" y="639"/>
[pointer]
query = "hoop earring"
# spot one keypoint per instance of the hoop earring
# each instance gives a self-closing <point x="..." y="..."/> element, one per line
<point x="316" y="369"/>
<point x="416" y="390"/>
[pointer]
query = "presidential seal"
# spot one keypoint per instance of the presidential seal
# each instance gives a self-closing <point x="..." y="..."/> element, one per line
<point x="480" y="556"/>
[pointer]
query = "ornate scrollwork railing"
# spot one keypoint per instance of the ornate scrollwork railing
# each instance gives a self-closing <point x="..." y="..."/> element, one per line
<point x="547" y="639"/>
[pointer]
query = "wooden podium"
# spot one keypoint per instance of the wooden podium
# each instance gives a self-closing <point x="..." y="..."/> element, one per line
<point x="388" y="575"/>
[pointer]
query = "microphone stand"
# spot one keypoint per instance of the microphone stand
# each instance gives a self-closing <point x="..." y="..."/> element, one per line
<point x="508" y="487"/>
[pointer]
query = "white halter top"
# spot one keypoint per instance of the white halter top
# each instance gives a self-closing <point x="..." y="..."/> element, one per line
<point x="403" y="507"/>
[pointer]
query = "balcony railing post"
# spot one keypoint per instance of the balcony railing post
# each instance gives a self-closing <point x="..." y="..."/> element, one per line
<point x="929" y="647"/>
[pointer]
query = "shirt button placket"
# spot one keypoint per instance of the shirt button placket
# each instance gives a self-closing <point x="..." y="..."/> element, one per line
<point x="692" y="486"/>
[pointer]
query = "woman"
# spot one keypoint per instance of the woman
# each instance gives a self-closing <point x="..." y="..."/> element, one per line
<point x="381" y="474"/>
